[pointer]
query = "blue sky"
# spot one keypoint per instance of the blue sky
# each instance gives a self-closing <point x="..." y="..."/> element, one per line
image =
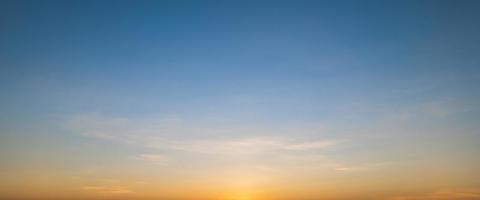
<point x="381" y="82"/>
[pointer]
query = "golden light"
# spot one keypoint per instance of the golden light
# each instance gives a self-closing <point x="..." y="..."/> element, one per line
<point x="242" y="196"/>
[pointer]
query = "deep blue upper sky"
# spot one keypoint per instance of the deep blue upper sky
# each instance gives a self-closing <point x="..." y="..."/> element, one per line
<point x="309" y="59"/>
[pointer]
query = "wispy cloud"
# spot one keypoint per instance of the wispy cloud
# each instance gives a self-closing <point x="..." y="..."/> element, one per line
<point x="362" y="167"/>
<point x="168" y="141"/>
<point x="247" y="145"/>
<point x="163" y="135"/>
<point x="453" y="194"/>
<point x="154" y="158"/>
<point x="107" y="190"/>
<point x="321" y="144"/>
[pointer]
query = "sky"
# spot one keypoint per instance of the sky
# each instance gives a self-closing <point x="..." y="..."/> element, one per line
<point x="239" y="100"/>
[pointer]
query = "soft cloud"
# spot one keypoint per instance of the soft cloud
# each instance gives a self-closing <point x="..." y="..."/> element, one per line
<point x="451" y="194"/>
<point x="321" y="144"/>
<point x="362" y="167"/>
<point x="107" y="190"/>
<point x="248" y="145"/>
<point x="154" y="158"/>
<point x="168" y="135"/>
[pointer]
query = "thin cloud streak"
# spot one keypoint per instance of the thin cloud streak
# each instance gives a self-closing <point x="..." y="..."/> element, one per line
<point x="107" y="190"/>
<point x="453" y="194"/>
<point x="158" y="137"/>
<point x="154" y="158"/>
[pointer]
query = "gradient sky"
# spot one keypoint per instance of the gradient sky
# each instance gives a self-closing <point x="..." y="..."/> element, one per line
<point x="240" y="100"/>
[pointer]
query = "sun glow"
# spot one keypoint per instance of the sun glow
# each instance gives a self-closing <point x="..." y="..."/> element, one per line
<point x="241" y="196"/>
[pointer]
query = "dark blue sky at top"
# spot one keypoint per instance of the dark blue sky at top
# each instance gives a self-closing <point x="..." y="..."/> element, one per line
<point x="281" y="57"/>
